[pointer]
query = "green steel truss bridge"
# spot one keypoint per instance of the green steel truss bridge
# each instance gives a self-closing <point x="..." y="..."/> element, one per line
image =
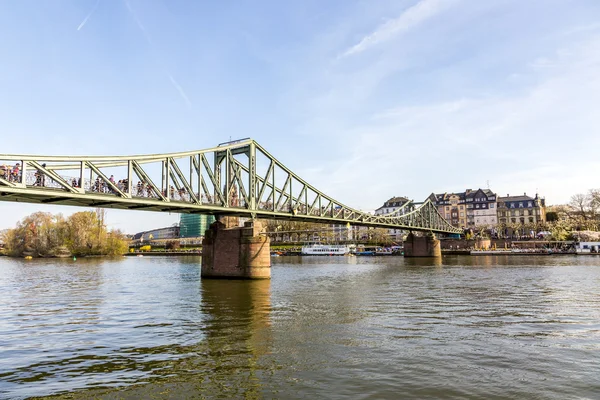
<point x="238" y="178"/>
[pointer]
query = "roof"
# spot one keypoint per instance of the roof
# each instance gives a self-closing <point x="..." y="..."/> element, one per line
<point x="395" y="202"/>
<point x="446" y="196"/>
<point x="467" y="194"/>
<point x="516" y="198"/>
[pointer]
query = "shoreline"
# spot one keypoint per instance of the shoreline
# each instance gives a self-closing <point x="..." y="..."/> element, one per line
<point x="164" y="253"/>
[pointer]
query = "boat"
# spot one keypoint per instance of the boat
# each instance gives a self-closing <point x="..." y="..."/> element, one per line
<point x="361" y="250"/>
<point x="382" y="251"/>
<point x="324" y="250"/>
<point x="364" y="253"/>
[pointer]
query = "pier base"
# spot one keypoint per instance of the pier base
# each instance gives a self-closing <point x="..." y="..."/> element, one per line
<point x="237" y="252"/>
<point x="422" y="246"/>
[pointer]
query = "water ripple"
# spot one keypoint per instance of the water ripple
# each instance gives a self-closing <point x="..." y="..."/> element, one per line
<point x="468" y="328"/>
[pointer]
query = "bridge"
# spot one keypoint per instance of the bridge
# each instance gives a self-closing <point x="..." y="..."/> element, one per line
<point x="235" y="179"/>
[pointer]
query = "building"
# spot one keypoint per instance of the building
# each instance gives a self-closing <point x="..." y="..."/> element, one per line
<point x="482" y="208"/>
<point x="194" y="225"/>
<point x="171" y="232"/>
<point x="468" y="209"/>
<point x="452" y="206"/>
<point x="521" y="210"/>
<point x="394" y="204"/>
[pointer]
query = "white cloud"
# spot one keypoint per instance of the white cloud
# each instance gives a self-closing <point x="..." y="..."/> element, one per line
<point x="545" y="137"/>
<point x="410" y="18"/>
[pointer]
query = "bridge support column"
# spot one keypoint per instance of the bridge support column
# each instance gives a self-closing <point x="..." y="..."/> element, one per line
<point x="236" y="253"/>
<point x="422" y="246"/>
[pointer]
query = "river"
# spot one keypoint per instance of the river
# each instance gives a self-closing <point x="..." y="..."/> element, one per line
<point x="495" y="327"/>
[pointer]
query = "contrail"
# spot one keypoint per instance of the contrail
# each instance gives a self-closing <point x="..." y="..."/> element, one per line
<point x="176" y="85"/>
<point x="179" y="89"/>
<point x="85" y="20"/>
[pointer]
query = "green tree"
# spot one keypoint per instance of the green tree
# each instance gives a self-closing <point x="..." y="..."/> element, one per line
<point x="44" y="235"/>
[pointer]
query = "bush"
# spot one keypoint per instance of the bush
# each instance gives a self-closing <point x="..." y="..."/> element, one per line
<point x="46" y="235"/>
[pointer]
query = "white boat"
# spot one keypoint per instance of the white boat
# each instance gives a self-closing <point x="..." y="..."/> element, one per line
<point x="325" y="250"/>
<point x="587" y="247"/>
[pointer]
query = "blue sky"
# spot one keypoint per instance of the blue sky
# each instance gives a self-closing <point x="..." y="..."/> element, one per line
<point x="364" y="99"/>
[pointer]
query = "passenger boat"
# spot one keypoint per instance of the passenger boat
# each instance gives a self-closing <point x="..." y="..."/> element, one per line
<point x="324" y="250"/>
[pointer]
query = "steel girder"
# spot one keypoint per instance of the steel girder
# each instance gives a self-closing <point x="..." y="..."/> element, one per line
<point x="236" y="178"/>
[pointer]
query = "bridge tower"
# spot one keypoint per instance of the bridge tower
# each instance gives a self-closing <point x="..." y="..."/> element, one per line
<point x="233" y="252"/>
<point x="422" y="246"/>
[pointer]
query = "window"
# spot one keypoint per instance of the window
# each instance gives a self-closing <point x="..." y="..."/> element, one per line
<point x="529" y="204"/>
<point x="477" y="206"/>
<point x="530" y="219"/>
<point x="520" y="205"/>
<point x="512" y="205"/>
<point x="492" y="205"/>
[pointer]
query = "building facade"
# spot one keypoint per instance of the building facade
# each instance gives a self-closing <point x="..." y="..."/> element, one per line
<point x="521" y="210"/>
<point x="453" y="207"/>
<point x="468" y="209"/>
<point x="171" y="232"/>
<point x="194" y="225"/>
<point x="394" y="204"/>
<point x="482" y="208"/>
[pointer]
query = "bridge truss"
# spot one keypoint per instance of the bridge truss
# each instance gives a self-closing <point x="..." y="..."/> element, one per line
<point x="238" y="178"/>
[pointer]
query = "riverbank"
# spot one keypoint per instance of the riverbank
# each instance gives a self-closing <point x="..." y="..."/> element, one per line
<point x="164" y="253"/>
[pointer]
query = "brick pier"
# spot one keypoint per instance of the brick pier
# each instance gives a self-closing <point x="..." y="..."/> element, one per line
<point x="236" y="252"/>
<point x="422" y="246"/>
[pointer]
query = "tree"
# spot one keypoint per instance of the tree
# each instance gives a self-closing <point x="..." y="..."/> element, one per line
<point x="584" y="210"/>
<point x="44" y="235"/>
<point x="551" y="216"/>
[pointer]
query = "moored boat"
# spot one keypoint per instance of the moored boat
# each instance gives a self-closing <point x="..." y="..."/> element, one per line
<point x="324" y="250"/>
<point x="383" y="251"/>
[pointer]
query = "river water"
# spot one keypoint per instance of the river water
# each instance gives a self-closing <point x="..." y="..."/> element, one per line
<point x="497" y="327"/>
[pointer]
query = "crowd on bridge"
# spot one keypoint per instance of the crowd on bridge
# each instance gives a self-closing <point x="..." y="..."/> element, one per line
<point x="142" y="189"/>
<point x="11" y="174"/>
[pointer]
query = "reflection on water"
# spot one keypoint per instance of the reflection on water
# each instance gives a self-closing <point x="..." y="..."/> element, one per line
<point x="323" y="327"/>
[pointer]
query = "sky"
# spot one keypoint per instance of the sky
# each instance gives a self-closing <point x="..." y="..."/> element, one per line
<point x="365" y="100"/>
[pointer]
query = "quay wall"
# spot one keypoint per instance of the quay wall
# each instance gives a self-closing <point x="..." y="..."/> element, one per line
<point x="460" y="244"/>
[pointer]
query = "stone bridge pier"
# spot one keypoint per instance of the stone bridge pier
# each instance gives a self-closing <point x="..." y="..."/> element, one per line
<point x="422" y="246"/>
<point x="233" y="252"/>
